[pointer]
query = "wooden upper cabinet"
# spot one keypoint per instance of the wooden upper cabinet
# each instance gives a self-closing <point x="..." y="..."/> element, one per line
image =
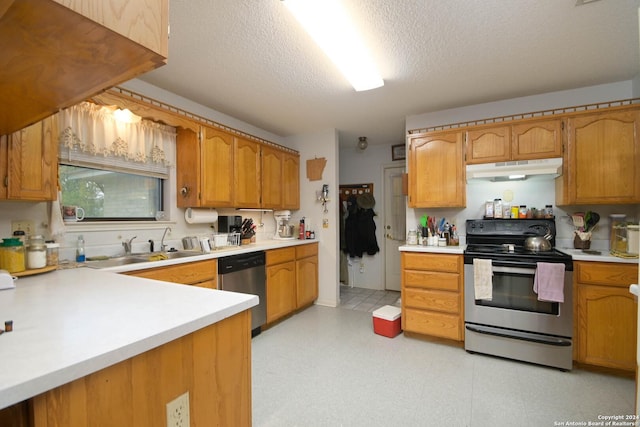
<point x="29" y="163"/>
<point x="144" y="22"/>
<point x="58" y="53"/>
<point x="204" y="168"/>
<point x="247" y="178"/>
<point x="526" y="140"/>
<point x="291" y="181"/>
<point x="436" y="170"/>
<point x="280" y="179"/>
<point x="488" y="145"/>
<point x="272" y="177"/>
<point x="537" y="139"/>
<point x="602" y="158"/>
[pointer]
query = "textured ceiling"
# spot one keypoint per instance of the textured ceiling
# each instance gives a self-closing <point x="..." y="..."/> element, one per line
<point x="251" y="60"/>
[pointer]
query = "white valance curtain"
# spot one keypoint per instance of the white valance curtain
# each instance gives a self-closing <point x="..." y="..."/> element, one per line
<point x="90" y="136"/>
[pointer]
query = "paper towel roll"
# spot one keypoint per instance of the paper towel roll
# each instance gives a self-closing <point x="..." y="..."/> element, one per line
<point x="200" y="216"/>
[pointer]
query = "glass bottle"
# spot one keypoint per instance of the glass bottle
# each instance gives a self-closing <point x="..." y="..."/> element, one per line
<point x="80" y="256"/>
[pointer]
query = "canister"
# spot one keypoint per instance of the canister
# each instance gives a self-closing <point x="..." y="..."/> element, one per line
<point x="12" y="256"/>
<point x="53" y="254"/>
<point x="412" y="237"/>
<point x="633" y="241"/>
<point x="36" y="253"/>
<point x="618" y="233"/>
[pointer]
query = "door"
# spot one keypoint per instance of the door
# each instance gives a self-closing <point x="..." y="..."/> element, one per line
<point x="395" y="206"/>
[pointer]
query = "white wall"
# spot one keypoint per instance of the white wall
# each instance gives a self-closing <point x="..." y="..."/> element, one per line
<point x="360" y="167"/>
<point x="318" y="145"/>
<point x="533" y="192"/>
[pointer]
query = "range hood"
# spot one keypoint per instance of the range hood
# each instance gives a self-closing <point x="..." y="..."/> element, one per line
<point x="517" y="169"/>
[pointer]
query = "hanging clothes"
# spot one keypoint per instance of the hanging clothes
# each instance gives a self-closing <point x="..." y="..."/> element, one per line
<point x="360" y="228"/>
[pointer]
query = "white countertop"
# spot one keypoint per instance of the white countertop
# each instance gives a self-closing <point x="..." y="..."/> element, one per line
<point x="576" y="254"/>
<point x="433" y="249"/>
<point x="604" y="256"/>
<point x="70" y="323"/>
<point x="217" y="253"/>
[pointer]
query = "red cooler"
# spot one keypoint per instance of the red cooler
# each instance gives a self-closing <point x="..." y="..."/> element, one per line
<point x="386" y="321"/>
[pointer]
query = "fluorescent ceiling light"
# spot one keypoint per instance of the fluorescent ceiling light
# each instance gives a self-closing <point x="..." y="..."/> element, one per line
<point x="327" y="23"/>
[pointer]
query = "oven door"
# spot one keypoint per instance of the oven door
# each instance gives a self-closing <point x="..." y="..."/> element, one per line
<point x="515" y="305"/>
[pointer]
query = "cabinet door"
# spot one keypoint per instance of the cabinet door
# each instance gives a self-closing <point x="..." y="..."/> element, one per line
<point x="436" y="170"/>
<point x="247" y="180"/>
<point x="33" y="162"/>
<point x="291" y="181"/>
<point x="607" y="327"/>
<point x="603" y="156"/>
<point x="307" y="280"/>
<point x="216" y="169"/>
<point x="539" y="139"/>
<point x="488" y="145"/>
<point x="281" y="290"/>
<point x="272" y="177"/>
<point x="188" y="164"/>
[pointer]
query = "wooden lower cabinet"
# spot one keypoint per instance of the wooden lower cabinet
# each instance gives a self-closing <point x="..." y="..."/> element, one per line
<point x="281" y="283"/>
<point x="306" y="274"/>
<point x="432" y="294"/>
<point x="292" y="279"/>
<point x="213" y="364"/>
<point x="605" y="326"/>
<point x="199" y="273"/>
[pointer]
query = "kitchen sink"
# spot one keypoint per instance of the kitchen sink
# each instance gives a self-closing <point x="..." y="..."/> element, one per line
<point x="138" y="258"/>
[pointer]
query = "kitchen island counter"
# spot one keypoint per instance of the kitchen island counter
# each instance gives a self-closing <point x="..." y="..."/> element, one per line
<point x="68" y="324"/>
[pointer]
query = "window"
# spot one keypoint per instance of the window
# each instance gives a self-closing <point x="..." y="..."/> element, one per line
<point x="107" y="195"/>
<point x="115" y="170"/>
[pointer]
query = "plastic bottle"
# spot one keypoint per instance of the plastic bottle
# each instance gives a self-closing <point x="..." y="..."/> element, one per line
<point x="301" y="234"/>
<point x="80" y="257"/>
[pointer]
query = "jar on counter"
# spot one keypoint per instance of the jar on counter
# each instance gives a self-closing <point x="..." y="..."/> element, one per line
<point x="53" y="253"/>
<point x="36" y="253"/>
<point x="412" y="237"/>
<point x="497" y="208"/>
<point x="522" y="212"/>
<point x="12" y="255"/>
<point x="515" y="211"/>
<point x="548" y="211"/>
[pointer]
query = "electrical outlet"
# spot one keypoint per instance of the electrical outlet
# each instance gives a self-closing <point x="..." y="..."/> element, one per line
<point x="325" y="223"/>
<point x="27" y="226"/>
<point x="178" y="411"/>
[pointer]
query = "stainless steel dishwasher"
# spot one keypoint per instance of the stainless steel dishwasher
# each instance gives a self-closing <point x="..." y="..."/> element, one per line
<point x="246" y="273"/>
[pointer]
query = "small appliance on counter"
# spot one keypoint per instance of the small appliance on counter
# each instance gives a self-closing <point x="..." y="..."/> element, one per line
<point x="284" y="230"/>
<point x="229" y="224"/>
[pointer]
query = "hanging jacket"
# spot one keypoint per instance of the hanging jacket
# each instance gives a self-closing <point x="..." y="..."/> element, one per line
<point x="360" y="232"/>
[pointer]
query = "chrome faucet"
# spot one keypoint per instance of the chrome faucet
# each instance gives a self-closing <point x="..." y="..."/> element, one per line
<point x="128" y="245"/>
<point x="163" y="247"/>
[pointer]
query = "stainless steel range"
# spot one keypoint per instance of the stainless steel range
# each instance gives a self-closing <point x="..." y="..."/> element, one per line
<point x="514" y="323"/>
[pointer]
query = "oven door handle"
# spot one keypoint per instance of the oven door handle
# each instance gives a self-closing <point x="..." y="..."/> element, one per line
<point x="517" y="270"/>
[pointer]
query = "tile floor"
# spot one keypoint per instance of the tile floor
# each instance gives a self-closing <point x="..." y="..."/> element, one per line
<point x="326" y="367"/>
<point x="368" y="300"/>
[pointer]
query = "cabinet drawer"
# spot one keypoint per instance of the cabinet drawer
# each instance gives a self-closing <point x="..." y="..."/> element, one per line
<point x="188" y="273"/>
<point x="432" y="262"/>
<point x="304" y="251"/>
<point x="606" y="274"/>
<point x="448" y="302"/>
<point x="434" y="324"/>
<point x="277" y="256"/>
<point x="432" y="280"/>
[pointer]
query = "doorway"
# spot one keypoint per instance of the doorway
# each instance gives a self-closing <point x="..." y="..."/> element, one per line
<point x="395" y="207"/>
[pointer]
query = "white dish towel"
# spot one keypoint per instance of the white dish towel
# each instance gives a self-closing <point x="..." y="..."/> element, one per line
<point x="482" y="279"/>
